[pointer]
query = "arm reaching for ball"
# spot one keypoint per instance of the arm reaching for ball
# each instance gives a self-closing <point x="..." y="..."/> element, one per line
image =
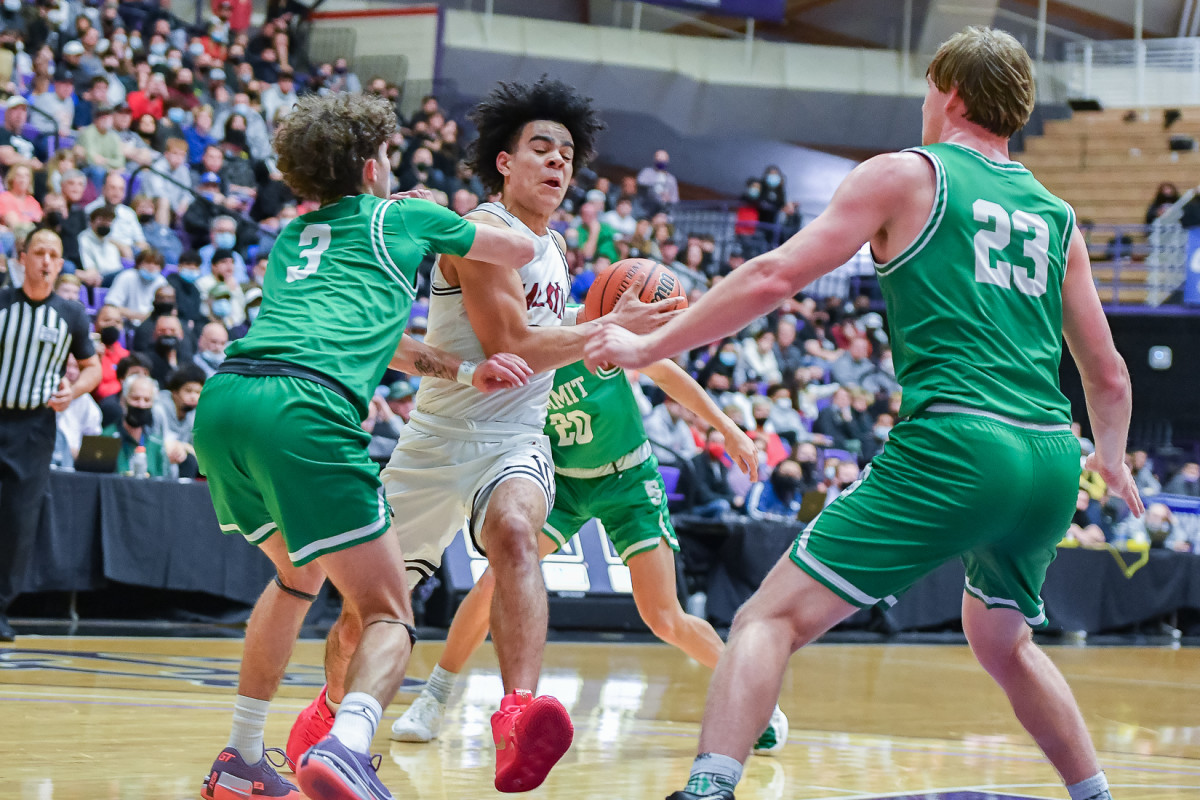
<point x="500" y="371"/>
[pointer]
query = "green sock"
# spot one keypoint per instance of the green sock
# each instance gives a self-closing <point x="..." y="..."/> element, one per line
<point x="712" y="772"/>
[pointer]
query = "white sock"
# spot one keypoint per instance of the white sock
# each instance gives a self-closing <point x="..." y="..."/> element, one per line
<point x="440" y="683"/>
<point x="1094" y="788"/>
<point x="356" y="721"/>
<point x="249" y="721"/>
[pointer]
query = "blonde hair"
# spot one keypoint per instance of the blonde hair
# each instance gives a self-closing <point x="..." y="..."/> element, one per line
<point x="993" y="75"/>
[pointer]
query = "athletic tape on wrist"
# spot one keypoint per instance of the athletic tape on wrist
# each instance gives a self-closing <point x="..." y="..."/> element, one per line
<point x="466" y="371"/>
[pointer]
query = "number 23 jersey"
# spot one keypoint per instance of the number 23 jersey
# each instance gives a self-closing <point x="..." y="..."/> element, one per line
<point x="975" y="302"/>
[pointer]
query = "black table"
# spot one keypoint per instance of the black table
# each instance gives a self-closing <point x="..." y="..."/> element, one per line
<point x="149" y="532"/>
<point x="1085" y="590"/>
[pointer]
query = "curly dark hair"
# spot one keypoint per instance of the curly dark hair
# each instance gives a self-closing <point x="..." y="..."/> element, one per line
<point x="508" y="108"/>
<point x="324" y="142"/>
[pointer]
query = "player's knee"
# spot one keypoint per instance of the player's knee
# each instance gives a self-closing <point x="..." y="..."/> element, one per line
<point x="1001" y="656"/>
<point x="510" y="540"/>
<point x="306" y="580"/>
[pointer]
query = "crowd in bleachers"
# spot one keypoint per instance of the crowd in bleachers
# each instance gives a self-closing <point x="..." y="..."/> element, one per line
<point x="146" y="143"/>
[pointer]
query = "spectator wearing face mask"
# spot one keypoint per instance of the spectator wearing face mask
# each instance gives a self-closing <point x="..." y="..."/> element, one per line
<point x="108" y="325"/>
<point x="225" y="298"/>
<point x="164" y="306"/>
<point x="137" y="428"/>
<point x="99" y="256"/>
<point x="210" y="351"/>
<point x="253" y="302"/>
<point x="223" y="237"/>
<point x="707" y="485"/>
<point x="164" y="348"/>
<point x="158" y="236"/>
<point x="669" y="433"/>
<point x="255" y="138"/>
<point x="126" y="230"/>
<point x="777" y="497"/>
<point x="99" y="147"/>
<point x="133" y="290"/>
<point x="421" y="172"/>
<point x="171" y="182"/>
<point x="657" y="185"/>
<point x="844" y="476"/>
<point x="773" y="197"/>
<point x="189" y="300"/>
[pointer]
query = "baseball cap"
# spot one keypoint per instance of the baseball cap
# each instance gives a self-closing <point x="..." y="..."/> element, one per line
<point x="400" y="390"/>
<point x="210" y="177"/>
<point x="15" y="101"/>
<point x="73" y="48"/>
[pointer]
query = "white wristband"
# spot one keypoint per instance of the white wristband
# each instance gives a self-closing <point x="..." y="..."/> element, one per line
<point x="466" y="371"/>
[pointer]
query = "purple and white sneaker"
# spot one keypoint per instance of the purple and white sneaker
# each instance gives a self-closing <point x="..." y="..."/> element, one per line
<point x="331" y="771"/>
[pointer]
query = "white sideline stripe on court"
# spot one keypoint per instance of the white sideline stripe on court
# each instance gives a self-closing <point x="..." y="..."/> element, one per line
<point x="1003" y="601"/>
<point x="341" y="538"/>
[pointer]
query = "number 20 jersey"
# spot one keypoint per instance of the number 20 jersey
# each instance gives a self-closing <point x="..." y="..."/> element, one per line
<point x="594" y="417"/>
<point x="547" y="288"/>
<point x="975" y="301"/>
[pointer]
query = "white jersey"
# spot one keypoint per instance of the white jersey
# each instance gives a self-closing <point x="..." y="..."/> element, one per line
<point x="547" y="288"/>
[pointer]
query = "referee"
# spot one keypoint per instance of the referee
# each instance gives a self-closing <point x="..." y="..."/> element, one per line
<point x="37" y="331"/>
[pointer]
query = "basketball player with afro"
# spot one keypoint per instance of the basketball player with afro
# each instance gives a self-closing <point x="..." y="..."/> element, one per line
<point x="486" y="459"/>
<point x="604" y="469"/>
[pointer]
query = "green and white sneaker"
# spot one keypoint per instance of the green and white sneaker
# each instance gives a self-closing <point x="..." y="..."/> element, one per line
<point x="774" y="737"/>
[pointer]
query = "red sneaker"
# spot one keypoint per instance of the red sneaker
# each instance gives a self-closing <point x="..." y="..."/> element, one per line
<point x="311" y="726"/>
<point x="531" y="735"/>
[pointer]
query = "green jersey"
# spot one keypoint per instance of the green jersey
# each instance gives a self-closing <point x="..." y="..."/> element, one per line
<point x="975" y="302"/>
<point x="340" y="284"/>
<point x="593" y="418"/>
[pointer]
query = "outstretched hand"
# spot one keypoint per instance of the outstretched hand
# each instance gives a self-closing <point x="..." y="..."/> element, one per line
<point x="631" y="313"/>
<point x="742" y="451"/>
<point x="611" y="345"/>
<point x="1120" y="482"/>
<point x="501" y="371"/>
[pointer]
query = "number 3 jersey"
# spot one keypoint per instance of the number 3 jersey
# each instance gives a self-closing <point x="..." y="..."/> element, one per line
<point x="974" y="303"/>
<point x="594" y="418"/>
<point x="340" y="285"/>
<point x="547" y="287"/>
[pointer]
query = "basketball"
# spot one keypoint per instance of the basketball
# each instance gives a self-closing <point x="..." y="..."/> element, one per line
<point x="610" y="284"/>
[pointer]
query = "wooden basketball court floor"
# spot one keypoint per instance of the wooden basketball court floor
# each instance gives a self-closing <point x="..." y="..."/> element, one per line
<point x="143" y="718"/>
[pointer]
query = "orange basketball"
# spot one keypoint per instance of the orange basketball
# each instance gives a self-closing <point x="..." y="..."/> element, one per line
<point x="610" y="284"/>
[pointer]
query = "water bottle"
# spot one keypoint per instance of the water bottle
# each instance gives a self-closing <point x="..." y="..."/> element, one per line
<point x="138" y="464"/>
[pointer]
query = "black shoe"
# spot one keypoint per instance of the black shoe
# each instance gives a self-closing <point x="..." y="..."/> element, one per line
<point x="719" y="794"/>
<point x="7" y="634"/>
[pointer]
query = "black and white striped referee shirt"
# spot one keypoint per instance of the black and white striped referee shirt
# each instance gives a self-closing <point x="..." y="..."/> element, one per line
<point x="35" y="338"/>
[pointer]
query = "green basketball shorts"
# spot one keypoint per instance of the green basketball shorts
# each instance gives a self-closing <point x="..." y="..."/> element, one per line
<point x="288" y="454"/>
<point x="631" y="505"/>
<point x="996" y="494"/>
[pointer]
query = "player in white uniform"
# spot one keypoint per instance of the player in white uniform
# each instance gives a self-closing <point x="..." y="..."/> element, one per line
<point x="483" y="463"/>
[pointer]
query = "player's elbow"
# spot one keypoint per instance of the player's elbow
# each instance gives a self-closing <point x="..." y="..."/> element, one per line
<point x="1110" y="384"/>
<point x="769" y="280"/>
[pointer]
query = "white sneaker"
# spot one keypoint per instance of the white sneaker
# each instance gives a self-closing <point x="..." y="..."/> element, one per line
<point x="774" y="737"/>
<point x="421" y="721"/>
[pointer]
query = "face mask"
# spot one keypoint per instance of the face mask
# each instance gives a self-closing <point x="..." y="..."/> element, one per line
<point x="120" y="38"/>
<point x="241" y="108"/>
<point x="830" y="472"/>
<point x="752" y="193"/>
<point x="12" y="6"/>
<point x="53" y="219"/>
<point x="236" y="138"/>
<point x="139" y="417"/>
<point x="174" y="63"/>
<point x="660" y="165"/>
<point x="103" y="230"/>
<point x="772" y="180"/>
<point x="188" y="407"/>
<point x="222" y="308"/>
<point x="784" y="402"/>
<point x="715" y="451"/>
<point x="881" y="432"/>
<point x="176" y="115"/>
<point x="784" y="484"/>
<point x="195" y="50"/>
<point x="213" y="359"/>
<point x="220" y="37"/>
<point x="163" y="307"/>
<point x="727" y="358"/>
<point x="340" y="70"/>
<point x="166" y="343"/>
<point x="252" y="313"/>
<point x="147" y="275"/>
<point x="158" y="48"/>
<point x="110" y="335"/>
<point x="225" y="241"/>
<point x="135" y="43"/>
<point x="189" y="275"/>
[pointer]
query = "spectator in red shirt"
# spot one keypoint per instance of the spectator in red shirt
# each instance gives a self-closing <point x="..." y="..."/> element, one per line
<point x="108" y="325"/>
<point x="150" y="100"/>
